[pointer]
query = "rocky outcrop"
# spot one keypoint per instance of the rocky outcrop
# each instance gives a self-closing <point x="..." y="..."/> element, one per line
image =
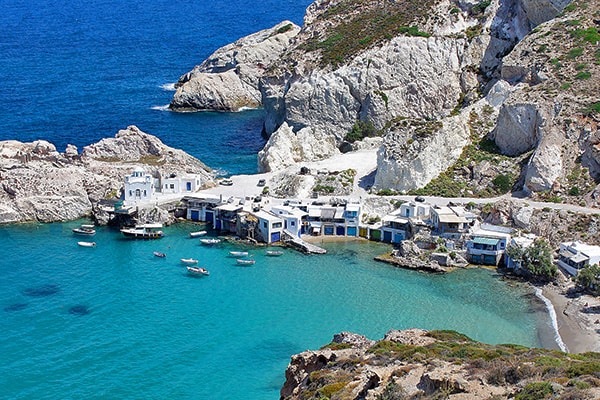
<point x="228" y="80"/>
<point x="414" y="363"/>
<point x="40" y="184"/>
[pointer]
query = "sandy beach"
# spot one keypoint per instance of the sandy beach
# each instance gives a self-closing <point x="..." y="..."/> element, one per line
<point x="577" y="315"/>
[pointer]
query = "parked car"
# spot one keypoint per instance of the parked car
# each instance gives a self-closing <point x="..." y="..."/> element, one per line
<point x="226" y="182"/>
<point x="261" y="182"/>
<point x="420" y="199"/>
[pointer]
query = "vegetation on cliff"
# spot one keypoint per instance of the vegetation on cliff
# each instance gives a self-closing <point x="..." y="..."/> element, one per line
<point x="416" y="364"/>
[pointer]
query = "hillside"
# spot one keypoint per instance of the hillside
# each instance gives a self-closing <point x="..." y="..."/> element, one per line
<point x="470" y="98"/>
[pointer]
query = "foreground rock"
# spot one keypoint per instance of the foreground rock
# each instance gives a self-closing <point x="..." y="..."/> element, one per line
<point x="40" y="184"/>
<point x="417" y="364"/>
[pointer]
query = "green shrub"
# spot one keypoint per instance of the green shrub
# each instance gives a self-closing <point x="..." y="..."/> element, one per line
<point x="535" y="391"/>
<point x="574" y="53"/>
<point x="284" y="28"/>
<point x="361" y="130"/>
<point x="503" y="182"/>
<point x="583" y="75"/>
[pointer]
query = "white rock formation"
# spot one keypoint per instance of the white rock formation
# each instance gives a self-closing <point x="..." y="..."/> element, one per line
<point x="40" y="184"/>
<point x="228" y="80"/>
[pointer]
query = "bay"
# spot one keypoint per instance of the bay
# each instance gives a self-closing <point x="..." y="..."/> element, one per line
<point x="115" y="321"/>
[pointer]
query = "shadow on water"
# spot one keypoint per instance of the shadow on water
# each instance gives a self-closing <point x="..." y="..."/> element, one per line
<point x="42" y="291"/>
<point x="15" y="307"/>
<point x="79" y="310"/>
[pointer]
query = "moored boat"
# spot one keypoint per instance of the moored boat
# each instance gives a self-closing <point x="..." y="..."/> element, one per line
<point x="85" y="229"/>
<point x="145" y="231"/>
<point x="198" y="271"/>
<point x="238" y="253"/>
<point x="274" y="253"/>
<point x="87" y="244"/>
<point x="242" y="261"/>
<point x="210" y="241"/>
<point x="189" y="260"/>
<point x="159" y="254"/>
<point x="197" y="234"/>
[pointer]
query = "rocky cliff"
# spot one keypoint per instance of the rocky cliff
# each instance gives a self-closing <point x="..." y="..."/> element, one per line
<point x="518" y="74"/>
<point x="416" y="364"/>
<point x="40" y="184"/>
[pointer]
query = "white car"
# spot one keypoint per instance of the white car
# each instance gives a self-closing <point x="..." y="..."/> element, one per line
<point x="226" y="182"/>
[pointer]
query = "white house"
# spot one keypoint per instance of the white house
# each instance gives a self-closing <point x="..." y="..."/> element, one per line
<point x="270" y="226"/>
<point x="573" y="256"/>
<point x="488" y="244"/>
<point x="185" y="184"/>
<point x="447" y="223"/>
<point x="292" y="218"/>
<point x="412" y="209"/>
<point x="394" y="228"/>
<point x="139" y="186"/>
<point x="202" y="208"/>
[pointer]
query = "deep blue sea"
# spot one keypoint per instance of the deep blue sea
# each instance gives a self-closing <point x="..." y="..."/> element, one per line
<point x="115" y="322"/>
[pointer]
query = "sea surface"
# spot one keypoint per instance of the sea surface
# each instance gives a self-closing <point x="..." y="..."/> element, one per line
<point x="115" y="322"/>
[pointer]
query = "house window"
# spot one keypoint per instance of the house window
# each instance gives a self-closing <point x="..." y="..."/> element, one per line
<point x="130" y="193"/>
<point x="265" y="225"/>
<point x="292" y="223"/>
<point x="277" y="225"/>
<point x="172" y="186"/>
<point x="144" y="192"/>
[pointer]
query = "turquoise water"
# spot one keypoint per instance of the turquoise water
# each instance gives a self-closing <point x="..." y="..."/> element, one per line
<point x="115" y="322"/>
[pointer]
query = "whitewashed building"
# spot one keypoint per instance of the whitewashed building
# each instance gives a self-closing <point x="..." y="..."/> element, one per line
<point x="488" y="244"/>
<point x="292" y="218"/>
<point x="139" y="186"/>
<point x="270" y="226"/>
<point x="573" y="256"/>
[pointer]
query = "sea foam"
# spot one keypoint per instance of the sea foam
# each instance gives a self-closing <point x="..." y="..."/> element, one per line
<point x="553" y="319"/>
<point x="169" y="87"/>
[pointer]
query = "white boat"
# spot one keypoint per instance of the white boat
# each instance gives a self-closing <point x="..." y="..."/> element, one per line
<point x="159" y="254"/>
<point x="145" y="231"/>
<point x="274" y="253"/>
<point x="189" y="260"/>
<point x="85" y="229"/>
<point x="198" y="271"/>
<point x="87" y="244"/>
<point x="210" y="241"/>
<point x="197" y="234"/>
<point x="241" y="261"/>
<point x="238" y="253"/>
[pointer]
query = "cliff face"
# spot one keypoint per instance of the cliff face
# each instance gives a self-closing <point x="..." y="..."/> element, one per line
<point x="40" y="184"/>
<point x="416" y="364"/>
<point x="530" y="65"/>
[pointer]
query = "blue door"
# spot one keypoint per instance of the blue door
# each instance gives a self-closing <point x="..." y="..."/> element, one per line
<point x="195" y="215"/>
<point x="340" y="231"/>
<point x="188" y="186"/>
<point x="275" y="237"/>
<point x="387" y="236"/>
<point x="351" y="231"/>
<point x="209" y="216"/>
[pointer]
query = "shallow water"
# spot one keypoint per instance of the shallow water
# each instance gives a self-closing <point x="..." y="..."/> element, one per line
<point x="117" y="322"/>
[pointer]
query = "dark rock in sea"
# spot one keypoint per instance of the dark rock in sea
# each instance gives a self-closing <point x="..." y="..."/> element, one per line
<point x="42" y="291"/>
<point x="15" y="307"/>
<point x="79" y="310"/>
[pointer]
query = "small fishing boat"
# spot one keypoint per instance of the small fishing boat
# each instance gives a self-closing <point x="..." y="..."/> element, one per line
<point x="197" y="234"/>
<point x="238" y="253"/>
<point x="145" y="231"/>
<point x="210" y="241"/>
<point x="198" y="271"/>
<point x="189" y="261"/>
<point x="242" y="261"/>
<point x="274" y="253"/>
<point x="87" y="244"/>
<point x="159" y="254"/>
<point x="85" y="229"/>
